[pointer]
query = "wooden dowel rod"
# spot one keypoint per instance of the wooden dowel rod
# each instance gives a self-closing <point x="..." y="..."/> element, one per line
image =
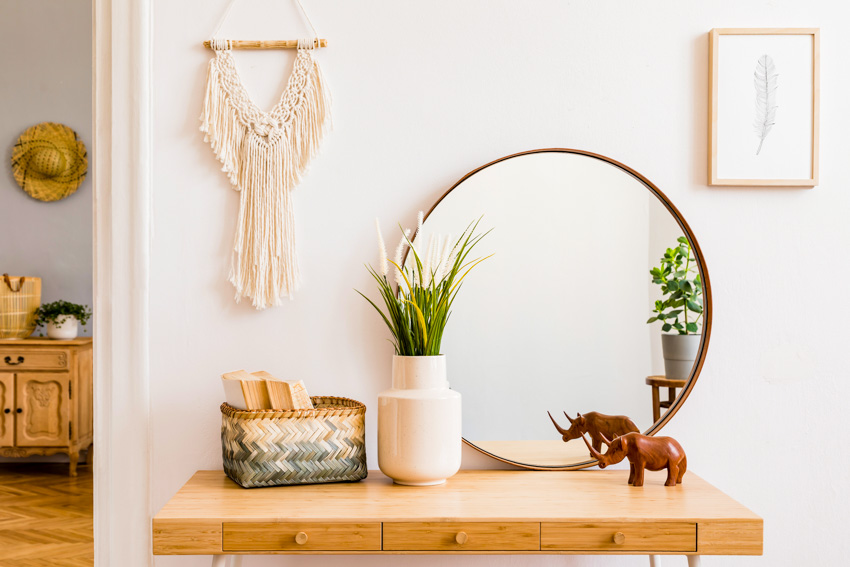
<point x="266" y="44"/>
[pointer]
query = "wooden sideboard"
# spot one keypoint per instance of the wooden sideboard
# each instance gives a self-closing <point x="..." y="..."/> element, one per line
<point x="46" y="398"/>
<point x="475" y="512"/>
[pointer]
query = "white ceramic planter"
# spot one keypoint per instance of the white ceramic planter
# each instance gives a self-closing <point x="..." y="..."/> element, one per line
<point x="680" y="351"/>
<point x="419" y="423"/>
<point x="64" y="329"/>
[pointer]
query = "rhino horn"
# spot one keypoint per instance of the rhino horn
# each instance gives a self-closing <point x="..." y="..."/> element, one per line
<point x="560" y="429"/>
<point x="596" y="454"/>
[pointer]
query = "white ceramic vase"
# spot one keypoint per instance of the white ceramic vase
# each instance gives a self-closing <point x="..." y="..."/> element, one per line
<point x="64" y="329"/>
<point x="419" y="423"/>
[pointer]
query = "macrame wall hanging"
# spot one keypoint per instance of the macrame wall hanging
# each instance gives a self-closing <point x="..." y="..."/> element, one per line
<point x="265" y="155"/>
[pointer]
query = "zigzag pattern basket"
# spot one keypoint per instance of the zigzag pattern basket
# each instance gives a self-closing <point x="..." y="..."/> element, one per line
<point x="277" y="447"/>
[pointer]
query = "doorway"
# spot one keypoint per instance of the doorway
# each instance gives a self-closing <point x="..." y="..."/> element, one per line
<point x="46" y="384"/>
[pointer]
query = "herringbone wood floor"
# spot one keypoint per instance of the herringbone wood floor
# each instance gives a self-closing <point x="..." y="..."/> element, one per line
<point x="45" y="516"/>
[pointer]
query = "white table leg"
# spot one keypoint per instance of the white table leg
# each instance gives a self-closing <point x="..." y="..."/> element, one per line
<point x="653" y="561"/>
<point x="227" y="561"/>
<point x="693" y="561"/>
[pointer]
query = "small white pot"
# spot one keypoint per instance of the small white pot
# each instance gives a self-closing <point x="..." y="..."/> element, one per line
<point x="65" y="328"/>
<point x="680" y="352"/>
<point x="419" y="423"/>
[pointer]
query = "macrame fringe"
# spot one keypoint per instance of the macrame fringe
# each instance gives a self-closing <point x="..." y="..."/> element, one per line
<point x="265" y="161"/>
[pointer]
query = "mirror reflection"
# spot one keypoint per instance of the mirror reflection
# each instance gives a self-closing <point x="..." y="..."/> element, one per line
<point x="556" y="320"/>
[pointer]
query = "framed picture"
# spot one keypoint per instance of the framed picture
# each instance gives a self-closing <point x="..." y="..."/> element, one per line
<point x="763" y="107"/>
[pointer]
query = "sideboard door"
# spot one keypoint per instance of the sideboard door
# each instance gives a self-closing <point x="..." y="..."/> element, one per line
<point x="43" y="401"/>
<point x="7" y="409"/>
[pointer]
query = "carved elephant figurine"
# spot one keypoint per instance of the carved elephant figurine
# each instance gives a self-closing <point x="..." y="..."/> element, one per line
<point x="597" y="425"/>
<point x="644" y="452"/>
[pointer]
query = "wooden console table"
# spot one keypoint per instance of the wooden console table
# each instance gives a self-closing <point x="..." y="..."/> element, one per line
<point x="46" y="398"/>
<point x="475" y="512"/>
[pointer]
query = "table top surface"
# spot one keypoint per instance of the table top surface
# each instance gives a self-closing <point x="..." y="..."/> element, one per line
<point x="486" y="495"/>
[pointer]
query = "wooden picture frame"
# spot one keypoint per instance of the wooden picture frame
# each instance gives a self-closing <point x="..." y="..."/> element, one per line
<point x="729" y="164"/>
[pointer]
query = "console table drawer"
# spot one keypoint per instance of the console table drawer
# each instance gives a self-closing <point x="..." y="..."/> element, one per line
<point x="462" y="536"/>
<point x="12" y="359"/>
<point x="619" y="536"/>
<point x="276" y="536"/>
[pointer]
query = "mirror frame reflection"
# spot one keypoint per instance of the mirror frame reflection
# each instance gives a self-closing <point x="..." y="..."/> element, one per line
<point x="703" y="270"/>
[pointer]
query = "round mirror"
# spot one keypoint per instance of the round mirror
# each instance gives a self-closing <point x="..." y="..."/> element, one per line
<point x="557" y="320"/>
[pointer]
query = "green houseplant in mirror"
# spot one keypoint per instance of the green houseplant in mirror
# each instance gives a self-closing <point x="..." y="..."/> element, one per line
<point x="680" y="310"/>
<point x="62" y="318"/>
<point x="419" y="418"/>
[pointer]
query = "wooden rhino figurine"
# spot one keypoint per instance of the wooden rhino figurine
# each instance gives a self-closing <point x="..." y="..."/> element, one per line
<point x="644" y="452"/>
<point x="596" y="425"/>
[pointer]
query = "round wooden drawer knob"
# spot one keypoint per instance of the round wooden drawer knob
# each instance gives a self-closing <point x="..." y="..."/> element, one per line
<point x="301" y="538"/>
<point x="619" y="538"/>
<point x="461" y="538"/>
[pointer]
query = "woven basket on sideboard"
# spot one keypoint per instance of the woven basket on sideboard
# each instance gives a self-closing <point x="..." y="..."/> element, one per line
<point x="277" y="447"/>
<point x="19" y="298"/>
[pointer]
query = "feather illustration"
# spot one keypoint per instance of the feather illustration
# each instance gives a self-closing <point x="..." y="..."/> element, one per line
<point x="766" y="81"/>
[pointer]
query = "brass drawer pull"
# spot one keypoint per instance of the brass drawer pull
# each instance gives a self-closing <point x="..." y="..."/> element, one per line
<point x="8" y="360"/>
<point x="301" y="538"/>
<point x="461" y="538"/>
<point x="619" y="538"/>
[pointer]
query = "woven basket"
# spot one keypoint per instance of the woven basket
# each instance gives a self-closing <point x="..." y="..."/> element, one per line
<point x="276" y="447"/>
<point x="19" y="298"/>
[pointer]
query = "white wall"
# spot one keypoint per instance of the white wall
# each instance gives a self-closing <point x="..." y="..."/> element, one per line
<point x="46" y="77"/>
<point x="426" y="92"/>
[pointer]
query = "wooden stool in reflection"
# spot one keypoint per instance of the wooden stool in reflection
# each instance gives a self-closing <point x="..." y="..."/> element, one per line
<point x="662" y="382"/>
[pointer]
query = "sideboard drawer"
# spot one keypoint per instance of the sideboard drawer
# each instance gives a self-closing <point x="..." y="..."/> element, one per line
<point x="619" y="536"/>
<point x="462" y="536"/>
<point x="12" y="359"/>
<point x="277" y="536"/>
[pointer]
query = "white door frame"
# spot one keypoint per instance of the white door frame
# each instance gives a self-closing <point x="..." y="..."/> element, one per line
<point x="122" y="164"/>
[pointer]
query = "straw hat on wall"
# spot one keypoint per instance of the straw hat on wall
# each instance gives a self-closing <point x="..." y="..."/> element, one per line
<point x="49" y="161"/>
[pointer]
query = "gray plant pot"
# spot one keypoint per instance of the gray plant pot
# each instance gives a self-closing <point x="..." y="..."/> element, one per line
<point x="680" y="352"/>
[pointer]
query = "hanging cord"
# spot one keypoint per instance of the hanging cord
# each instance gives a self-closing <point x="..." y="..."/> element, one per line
<point x="309" y="21"/>
<point x="215" y="43"/>
<point x="221" y="21"/>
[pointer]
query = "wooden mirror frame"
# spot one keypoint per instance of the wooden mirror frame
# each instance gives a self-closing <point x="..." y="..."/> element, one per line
<point x="706" y="290"/>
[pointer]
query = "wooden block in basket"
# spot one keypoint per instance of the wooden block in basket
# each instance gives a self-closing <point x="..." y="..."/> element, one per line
<point x="253" y="390"/>
<point x="285" y="394"/>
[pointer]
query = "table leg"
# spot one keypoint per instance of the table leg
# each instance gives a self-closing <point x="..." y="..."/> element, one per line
<point x="653" y="561"/>
<point x="227" y="561"/>
<point x="656" y="404"/>
<point x="693" y="561"/>
<point x="74" y="456"/>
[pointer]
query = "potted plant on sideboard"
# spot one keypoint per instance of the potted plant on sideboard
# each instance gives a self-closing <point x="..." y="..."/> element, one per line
<point x="419" y="418"/>
<point x="680" y="310"/>
<point x="63" y="318"/>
